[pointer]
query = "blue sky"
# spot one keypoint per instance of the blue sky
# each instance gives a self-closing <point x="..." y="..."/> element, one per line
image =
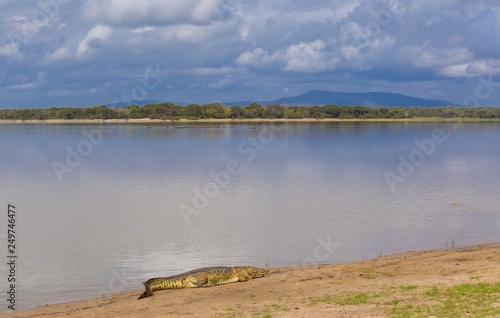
<point x="89" y="52"/>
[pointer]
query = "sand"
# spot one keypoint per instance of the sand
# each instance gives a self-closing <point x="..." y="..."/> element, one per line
<point x="311" y="291"/>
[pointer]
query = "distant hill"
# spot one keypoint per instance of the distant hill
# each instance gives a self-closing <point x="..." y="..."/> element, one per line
<point x="319" y="98"/>
<point x="133" y="102"/>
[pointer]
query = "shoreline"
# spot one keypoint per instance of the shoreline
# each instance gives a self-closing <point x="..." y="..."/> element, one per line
<point x="245" y="120"/>
<point x="359" y="289"/>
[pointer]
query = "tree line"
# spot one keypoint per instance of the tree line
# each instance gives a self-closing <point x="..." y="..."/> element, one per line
<point x="170" y="111"/>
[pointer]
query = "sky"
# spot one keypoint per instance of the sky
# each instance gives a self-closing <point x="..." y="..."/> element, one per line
<point x="92" y="52"/>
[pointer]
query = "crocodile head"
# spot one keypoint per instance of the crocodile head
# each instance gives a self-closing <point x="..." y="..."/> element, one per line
<point x="255" y="271"/>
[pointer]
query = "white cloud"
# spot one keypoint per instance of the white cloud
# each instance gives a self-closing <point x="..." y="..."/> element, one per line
<point x="99" y="33"/>
<point x="309" y="57"/>
<point x="426" y="6"/>
<point x="207" y="71"/>
<point x="253" y="24"/>
<point x="277" y="21"/>
<point x="203" y="10"/>
<point x="191" y="34"/>
<point x="371" y="54"/>
<point x="455" y="70"/>
<point x="26" y="86"/>
<point x="346" y="9"/>
<point x="474" y="69"/>
<point x="151" y="12"/>
<point x="318" y="15"/>
<point x="142" y="30"/>
<point x="221" y="84"/>
<point x="435" y="57"/>
<point x="9" y="50"/>
<point x="257" y="58"/>
<point x="59" y="54"/>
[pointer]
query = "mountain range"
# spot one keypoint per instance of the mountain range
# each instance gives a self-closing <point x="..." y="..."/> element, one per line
<point x="319" y="98"/>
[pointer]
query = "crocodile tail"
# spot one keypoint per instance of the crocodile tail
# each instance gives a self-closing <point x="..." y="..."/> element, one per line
<point x="147" y="293"/>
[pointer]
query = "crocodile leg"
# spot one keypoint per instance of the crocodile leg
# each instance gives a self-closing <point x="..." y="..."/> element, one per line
<point x="198" y="280"/>
<point x="244" y="277"/>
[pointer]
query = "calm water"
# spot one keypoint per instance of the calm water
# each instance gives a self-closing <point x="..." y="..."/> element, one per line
<point x="153" y="201"/>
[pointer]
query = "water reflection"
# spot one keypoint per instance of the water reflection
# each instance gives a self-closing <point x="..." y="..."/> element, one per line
<point x="118" y="210"/>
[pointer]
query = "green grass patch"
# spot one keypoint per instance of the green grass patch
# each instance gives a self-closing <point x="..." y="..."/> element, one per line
<point x="475" y="300"/>
<point x="226" y="315"/>
<point x="464" y="300"/>
<point x="368" y="274"/>
<point x="344" y="300"/>
<point x="393" y="302"/>
<point x="267" y="313"/>
<point x="409" y="287"/>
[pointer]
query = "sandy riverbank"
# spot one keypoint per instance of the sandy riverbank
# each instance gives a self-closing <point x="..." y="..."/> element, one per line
<point x="228" y="120"/>
<point x="386" y="286"/>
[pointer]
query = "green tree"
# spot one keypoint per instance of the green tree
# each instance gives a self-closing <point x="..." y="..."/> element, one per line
<point x="317" y="112"/>
<point x="297" y="112"/>
<point x="192" y="111"/>
<point x="362" y="112"/>
<point x="254" y="110"/>
<point x="274" y="111"/>
<point x="214" y="110"/>
<point x="397" y="112"/>
<point x="237" y="112"/>
<point x="332" y="111"/>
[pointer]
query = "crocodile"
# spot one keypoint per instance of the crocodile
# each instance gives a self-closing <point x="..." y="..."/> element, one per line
<point x="203" y="277"/>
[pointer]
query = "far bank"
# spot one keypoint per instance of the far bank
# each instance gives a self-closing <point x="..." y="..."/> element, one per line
<point x="256" y="120"/>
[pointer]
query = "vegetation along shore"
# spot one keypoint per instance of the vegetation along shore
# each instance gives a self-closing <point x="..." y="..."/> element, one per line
<point x="255" y="111"/>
